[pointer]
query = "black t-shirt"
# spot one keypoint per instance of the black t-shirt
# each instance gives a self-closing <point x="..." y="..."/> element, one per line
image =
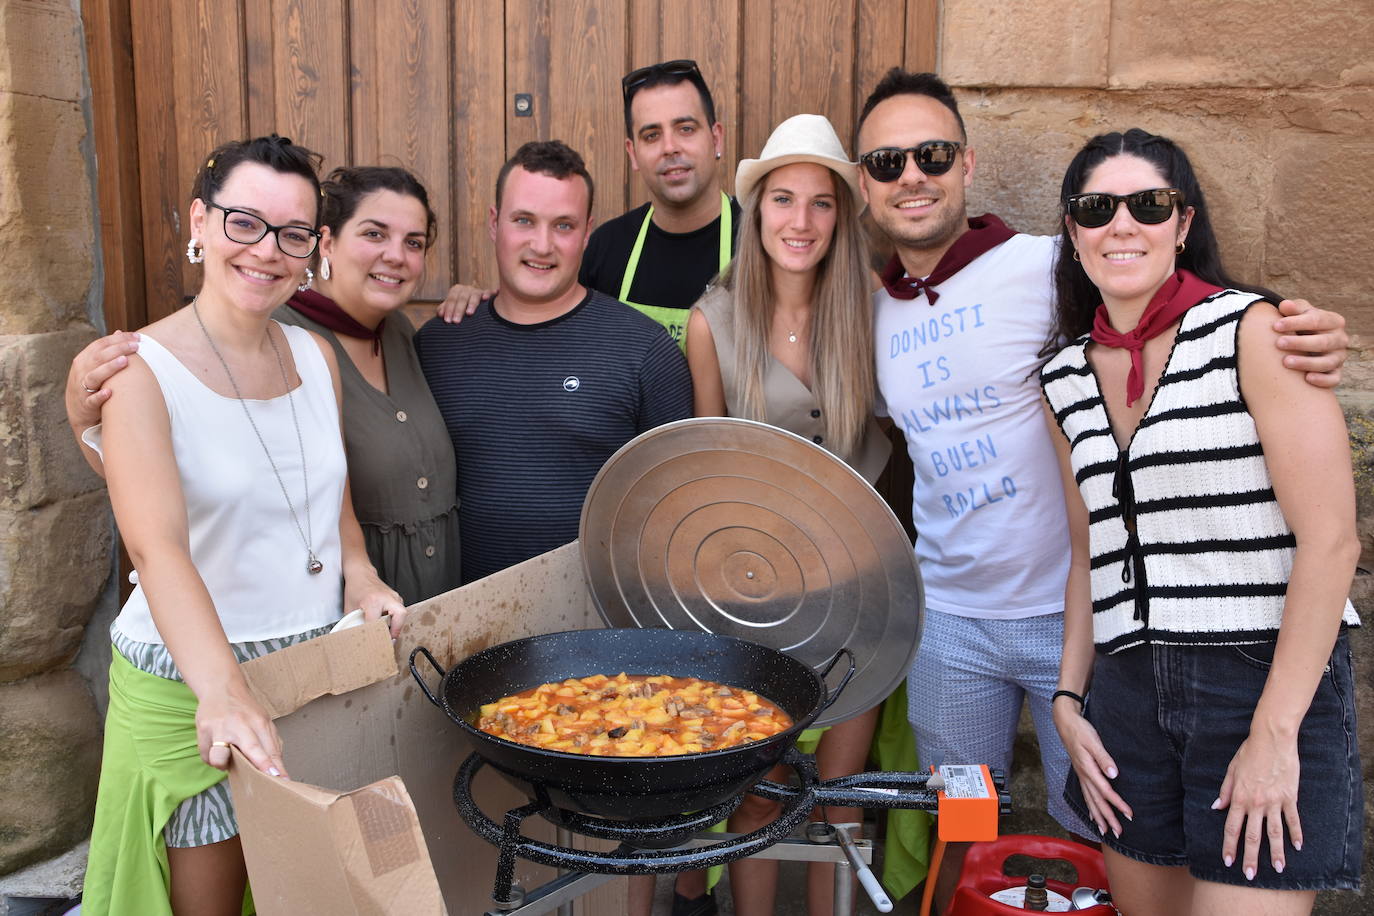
<point x="534" y="410"/>
<point x="674" y="268"/>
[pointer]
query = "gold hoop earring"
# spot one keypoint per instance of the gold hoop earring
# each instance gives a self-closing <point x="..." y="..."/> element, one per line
<point x="1178" y="249"/>
<point x="1075" y="255"/>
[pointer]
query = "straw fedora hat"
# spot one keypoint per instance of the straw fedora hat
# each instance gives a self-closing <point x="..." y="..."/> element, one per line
<point x="801" y="138"/>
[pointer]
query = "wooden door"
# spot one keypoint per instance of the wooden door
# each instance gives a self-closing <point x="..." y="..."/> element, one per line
<point x="430" y="86"/>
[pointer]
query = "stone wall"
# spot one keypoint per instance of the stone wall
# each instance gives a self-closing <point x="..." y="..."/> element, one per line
<point x="55" y="528"/>
<point x="1274" y="104"/>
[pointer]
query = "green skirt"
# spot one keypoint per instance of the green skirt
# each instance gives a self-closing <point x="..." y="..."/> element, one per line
<point x="151" y="764"/>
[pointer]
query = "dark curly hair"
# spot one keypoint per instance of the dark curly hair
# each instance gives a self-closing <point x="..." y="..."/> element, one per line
<point x="347" y="186"/>
<point x="547" y="157"/>
<point x="277" y="153"/>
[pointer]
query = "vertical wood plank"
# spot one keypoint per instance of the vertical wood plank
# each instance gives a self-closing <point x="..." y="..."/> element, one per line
<point x="528" y="60"/>
<point x="400" y="55"/>
<point x="109" y="48"/>
<point x="586" y="51"/>
<point x="756" y="76"/>
<point x="879" y="45"/>
<point x="296" y="57"/>
<point x="813" y="51"/>
<point x="922" y="35"/>
<point x="480" y="105"/>
<point x="707" y="32"/>
<point x="207" y="103"/>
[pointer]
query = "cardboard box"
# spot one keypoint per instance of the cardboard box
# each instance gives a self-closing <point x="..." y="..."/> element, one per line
<point x="366" y="824"/>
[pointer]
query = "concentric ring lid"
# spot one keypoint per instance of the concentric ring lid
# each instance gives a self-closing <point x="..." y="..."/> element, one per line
<point x="741" y="528"/>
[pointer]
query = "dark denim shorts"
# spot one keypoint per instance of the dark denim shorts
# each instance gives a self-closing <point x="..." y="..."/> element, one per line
<point x="1172" y="717"/>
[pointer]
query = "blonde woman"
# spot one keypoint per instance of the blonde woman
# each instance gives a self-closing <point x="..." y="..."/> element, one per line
<point x="786" y="338"/>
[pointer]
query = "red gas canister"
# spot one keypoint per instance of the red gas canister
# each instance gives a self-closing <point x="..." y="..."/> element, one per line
<point x="983" y="875"/>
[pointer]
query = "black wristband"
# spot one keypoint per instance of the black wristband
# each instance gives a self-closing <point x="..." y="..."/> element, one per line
<point x="1066" y="693"/>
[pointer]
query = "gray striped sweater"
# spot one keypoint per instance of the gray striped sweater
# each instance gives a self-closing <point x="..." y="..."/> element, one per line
<point x="1188" y="543"/>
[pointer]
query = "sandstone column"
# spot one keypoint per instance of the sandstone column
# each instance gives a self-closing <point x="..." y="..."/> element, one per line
<point x="55" y="529"/>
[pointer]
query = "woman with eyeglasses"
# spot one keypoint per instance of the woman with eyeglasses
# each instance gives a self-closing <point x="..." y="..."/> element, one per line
<point x="222" y="448"/>
<point x="1205" y="690"/>
<point x="786" y="338"/>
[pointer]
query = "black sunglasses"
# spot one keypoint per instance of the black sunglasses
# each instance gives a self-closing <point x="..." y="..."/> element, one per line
<point x="1151" y="207"/>
<point x="249" y="228"/>
<point x="934" y="157"/>
<point x="687" y="69"/>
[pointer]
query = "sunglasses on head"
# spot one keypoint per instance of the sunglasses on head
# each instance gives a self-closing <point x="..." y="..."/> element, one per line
<point x="687" y="69"/>
<point x="934" y="157"/>
<point x="1092" y="211"/>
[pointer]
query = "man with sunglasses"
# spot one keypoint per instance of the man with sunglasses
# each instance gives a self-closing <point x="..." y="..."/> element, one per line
<point x="659" y="256"/>
<point x="961" y="322"/>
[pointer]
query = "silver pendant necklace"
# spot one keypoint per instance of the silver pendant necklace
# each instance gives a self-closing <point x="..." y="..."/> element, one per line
<point x="313" y="564"/>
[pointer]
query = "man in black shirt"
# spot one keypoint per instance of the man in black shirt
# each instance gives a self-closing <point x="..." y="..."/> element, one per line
<point x="659" y="256"/>
<point x="545" y="382"/>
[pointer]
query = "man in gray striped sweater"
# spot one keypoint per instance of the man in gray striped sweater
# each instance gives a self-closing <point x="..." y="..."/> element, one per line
<point x="547" y="380"/>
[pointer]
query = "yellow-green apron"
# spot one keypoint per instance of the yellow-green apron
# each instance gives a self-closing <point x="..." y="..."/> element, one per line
<point x="674" y="320"/>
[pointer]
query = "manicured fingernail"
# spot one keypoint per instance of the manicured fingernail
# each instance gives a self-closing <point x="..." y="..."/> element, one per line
<point x="1129" y="818"/>
<point x="1216" y="804"/>
<point x="1278" y="866"/>
<point x="1117" y="831"/>
<point x="1111" y="772"/>
<point x="1249" y="873"/>
<point x="1297" y="844"/>
<point x="1229" y="860"/>
<point x="274" y="771"/>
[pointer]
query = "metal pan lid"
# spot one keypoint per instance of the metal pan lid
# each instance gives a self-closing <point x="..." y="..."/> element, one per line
<point x="737" y="527"/>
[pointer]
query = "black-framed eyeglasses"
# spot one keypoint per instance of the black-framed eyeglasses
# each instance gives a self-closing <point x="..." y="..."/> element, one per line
<point x="934" y="157"/>
<point x="1094" y="210"/>
<point x="686" y="69"/>
<point x="248" y="229"/>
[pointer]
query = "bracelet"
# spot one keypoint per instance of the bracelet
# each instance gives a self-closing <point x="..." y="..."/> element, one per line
<point x="1067" y="693"/>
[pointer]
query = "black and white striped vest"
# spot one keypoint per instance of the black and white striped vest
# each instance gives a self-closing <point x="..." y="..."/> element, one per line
<point x="1188" y="543"/>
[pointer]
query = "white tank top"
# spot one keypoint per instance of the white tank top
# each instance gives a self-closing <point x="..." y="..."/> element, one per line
<point x="243" y="541"/>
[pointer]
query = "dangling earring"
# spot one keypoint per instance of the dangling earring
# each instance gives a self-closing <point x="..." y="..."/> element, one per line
<point x="194" y="253"/>
<point x="324" y="268"/>
<point x="309" y="278"/>
<point x="1178" y="249"/>
<point x="1075" y="255"/>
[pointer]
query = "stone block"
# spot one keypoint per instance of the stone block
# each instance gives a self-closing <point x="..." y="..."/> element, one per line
<point x="54" y="562"/>
<point x="1024" y="140"/>
<point x="1024" y="43"/>
<point x="49" y="765"/>
<point x="42" y="51"/>
<point x="1164" y="43"/>
<point x="1323" y="160"/>
<point x="40" y="462"/>
<point x="47" y="253"/>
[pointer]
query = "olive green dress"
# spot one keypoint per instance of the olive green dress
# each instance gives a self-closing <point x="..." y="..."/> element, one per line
<point x="401" y="468"/>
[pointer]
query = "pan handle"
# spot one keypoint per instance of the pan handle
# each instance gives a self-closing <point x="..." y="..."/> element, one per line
<point x="834" y="695"/>
<point x="419" y="678"/>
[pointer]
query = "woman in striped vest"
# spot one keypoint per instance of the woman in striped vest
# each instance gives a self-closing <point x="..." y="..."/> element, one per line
<point x="1206" y="603"/>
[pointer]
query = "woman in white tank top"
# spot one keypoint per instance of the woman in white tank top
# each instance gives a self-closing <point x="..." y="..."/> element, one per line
<point x="222" y="449"/>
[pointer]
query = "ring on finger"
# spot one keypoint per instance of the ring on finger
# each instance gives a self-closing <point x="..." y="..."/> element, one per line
<point x="219" y="743"/>
<point x="89" y="389"/>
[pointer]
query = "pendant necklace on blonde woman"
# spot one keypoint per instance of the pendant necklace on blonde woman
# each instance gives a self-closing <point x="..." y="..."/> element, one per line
<point x="312" y="564"/>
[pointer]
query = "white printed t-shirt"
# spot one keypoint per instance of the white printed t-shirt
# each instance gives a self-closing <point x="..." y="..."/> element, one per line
<point x="960" y="378"/>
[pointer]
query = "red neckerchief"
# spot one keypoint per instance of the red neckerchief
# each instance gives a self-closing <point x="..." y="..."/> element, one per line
<point x="985" y="233"/>
<point x="323" y="310"/>
<point x="1179" y="293"/>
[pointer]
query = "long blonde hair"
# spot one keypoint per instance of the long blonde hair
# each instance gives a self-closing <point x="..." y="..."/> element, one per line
<point x="842" y="371"/>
